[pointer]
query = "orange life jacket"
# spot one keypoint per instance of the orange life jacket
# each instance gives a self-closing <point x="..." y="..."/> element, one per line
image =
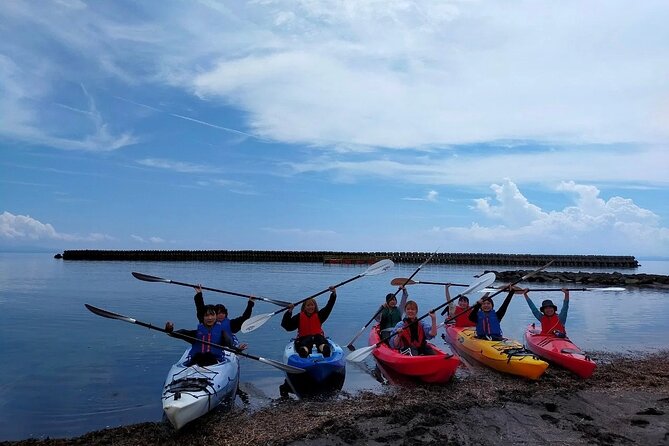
<point x="462" y="318"/>
<point x="405" y="336"/>
<point x="309" y="325"/>
<point x="551" y="324"/>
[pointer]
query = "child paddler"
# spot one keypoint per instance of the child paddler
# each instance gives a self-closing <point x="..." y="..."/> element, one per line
<point x="458" y="314"/>
<point x="551" y="322"/>
<point x="389" y="314"/>
<point x="309" y="325"/>
<point x="487" y="319"/>
<point x="208" y="330"/>
<point x="410" y="337"/>
<point x="230" y="326"/>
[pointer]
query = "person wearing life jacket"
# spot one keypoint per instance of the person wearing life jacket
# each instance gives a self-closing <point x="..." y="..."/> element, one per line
<point x="551" y="322"/>
<point x="411" y="335"/>
<point x="230" y="326"/>
<point x="487" y="319"/>
<point x="308" y="323"/>
<point x="458" y="315"/>
<point x="389" y="314"/>
<point x="208" y="330"/>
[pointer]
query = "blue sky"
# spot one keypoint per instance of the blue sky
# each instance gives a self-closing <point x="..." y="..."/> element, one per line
<point x="497" y="126"/>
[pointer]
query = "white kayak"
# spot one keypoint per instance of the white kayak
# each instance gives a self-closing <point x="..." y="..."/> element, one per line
<point x="192" y="391"/>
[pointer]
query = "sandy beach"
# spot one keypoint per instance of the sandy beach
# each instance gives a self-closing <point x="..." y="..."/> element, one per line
<point x="625" y="402"/>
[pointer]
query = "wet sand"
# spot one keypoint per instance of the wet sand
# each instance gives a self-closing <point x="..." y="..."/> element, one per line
<point x="626" y="402"/>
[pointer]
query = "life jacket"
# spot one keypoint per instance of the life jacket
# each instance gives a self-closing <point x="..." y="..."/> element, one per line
<point x="487" y="324"/>
<point x="309" y="325"/>
<point x="406" y="339"/>
<point x="390" y="317"/>
<point x="462" y="317"/>
<point x="551" y="325"/>
<point x="213" y="334"/>
<point x="227" y="329"/>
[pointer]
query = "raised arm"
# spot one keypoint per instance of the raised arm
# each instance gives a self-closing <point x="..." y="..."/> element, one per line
<point x="236" y="323"/>
<point x="535" y="311"/>
<point x="565" y="307"/>
<point x="290" y="322"/>
<point x="502" y="310"/>
<point x="324" y="312"/>
<point x="199" y="304"/>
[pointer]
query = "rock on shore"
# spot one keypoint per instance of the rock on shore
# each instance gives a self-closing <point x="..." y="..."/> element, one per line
<point x="585" y="278"/>
<point x="626" y="402"/>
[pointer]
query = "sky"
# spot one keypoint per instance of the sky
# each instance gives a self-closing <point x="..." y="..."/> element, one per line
<point x="392" y="125"/>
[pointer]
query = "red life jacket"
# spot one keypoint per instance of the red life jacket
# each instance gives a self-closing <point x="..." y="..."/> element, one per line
<point x="549" y="325"/>
<point x="309" y="325"/>
<point x="462" y="318"/>
<point x="405" y="336"/>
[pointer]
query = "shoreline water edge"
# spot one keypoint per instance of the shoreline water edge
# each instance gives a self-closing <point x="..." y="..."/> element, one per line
<point x="626" y="402"/>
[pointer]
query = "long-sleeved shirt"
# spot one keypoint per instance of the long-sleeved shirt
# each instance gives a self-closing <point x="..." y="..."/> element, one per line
<point x="291" y="323"/>
<point x="538" y="314"/>
<point x="395" y="340"/>
<point x="474" y="315"/>
<point x="403" y="302"/>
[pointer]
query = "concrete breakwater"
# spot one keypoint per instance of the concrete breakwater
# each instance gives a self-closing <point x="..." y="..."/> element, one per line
<point x="587" y="278"/>
<point x="337" y="257"/>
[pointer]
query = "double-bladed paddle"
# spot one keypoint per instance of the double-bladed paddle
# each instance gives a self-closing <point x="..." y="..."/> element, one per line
<point x="350" y="345"/>
<point x="482" y="282"/>
<point x="496" y="291"/>
<point x="608" y="289"/>
<point x="402" y="281"/>
<point x="147" y="278"/>
<point x="256" y="321"/>
<point x="108" y="314"/>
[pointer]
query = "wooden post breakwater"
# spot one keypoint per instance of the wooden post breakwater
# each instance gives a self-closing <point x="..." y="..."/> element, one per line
<point x="337" y="257"/>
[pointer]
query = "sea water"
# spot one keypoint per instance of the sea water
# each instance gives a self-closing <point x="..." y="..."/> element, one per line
<point x="66" y="371"/>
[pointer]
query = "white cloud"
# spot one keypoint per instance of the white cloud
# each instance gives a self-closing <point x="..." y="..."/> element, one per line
<point x="25" y="228"/>
<point x="591" y="226"/>
<point x="153" y="239"/>
<point x="430" y="196"/>
<point x="177" y="166"/>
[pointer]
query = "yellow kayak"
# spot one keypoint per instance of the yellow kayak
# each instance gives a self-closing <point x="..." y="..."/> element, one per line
<point x="506" y="356"/>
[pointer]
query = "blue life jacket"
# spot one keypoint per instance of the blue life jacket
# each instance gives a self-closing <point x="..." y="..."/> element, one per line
<point x="210" y="335"/>
<point x="227" y="329"/>
<point x="487" y="324"/>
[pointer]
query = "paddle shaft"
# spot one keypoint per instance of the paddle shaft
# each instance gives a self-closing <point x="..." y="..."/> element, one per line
<point x="418" y="282"/>
<point x="108" y="314"/>
<point x="147" y="278"/>
<point x="318" y="294"/>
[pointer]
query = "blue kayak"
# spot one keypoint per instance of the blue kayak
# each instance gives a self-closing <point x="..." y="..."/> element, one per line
<point x="322" y="374"/>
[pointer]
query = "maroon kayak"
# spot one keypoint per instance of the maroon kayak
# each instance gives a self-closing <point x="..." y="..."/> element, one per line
<point x="560" y="351"/>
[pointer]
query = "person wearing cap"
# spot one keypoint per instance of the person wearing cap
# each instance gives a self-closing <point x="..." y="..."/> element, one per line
<point x="458" y="314"/>
<point x="389" y="314"/>
<point x="551" y="322"/>
<point x="230" y="326"/>
<point x="488" y="319"/>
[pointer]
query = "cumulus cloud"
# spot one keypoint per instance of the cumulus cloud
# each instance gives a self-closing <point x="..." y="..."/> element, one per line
<point x="140" y="239"/>
<point x="591" y="226"/>
<point x="25" y="228"/>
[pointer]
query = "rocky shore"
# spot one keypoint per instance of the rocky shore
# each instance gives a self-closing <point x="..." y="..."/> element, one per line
<point x="626" y="402"/>
<point x="588" y="279"/>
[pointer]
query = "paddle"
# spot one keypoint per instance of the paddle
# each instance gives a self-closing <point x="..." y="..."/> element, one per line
<point x="257" y="321"/>
<point x="147" y="278"/>
<point x="613" y="289"/>
<point x="497" y="291"/>
<point x="482" y="282"/>
<point x="108" y="314"/>
<point x="399" y="280"/>
<point x="350" y="345"/>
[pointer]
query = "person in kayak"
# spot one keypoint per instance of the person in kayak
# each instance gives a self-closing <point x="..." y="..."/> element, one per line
<point x="551" y="322"/>
<point x="389" y="314"/>
<point x="308" y="323"/>
<point x="458" y="314"/>
<point x="488" y="320"/>
<point x="208" y="330"/>
<point x="230" y="326"/>
<point x="410" y="336"/>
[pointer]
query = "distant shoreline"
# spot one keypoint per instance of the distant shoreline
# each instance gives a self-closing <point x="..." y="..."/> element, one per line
<point x="344" y="257"/>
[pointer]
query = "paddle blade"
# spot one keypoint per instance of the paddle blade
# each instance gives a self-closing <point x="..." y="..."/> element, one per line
<point x="109" y="314"/>
<point x="613" y="288"/>
<point x="147" y="278"/>
<point x="379" y="267"/>
<point x="482" y="282"/>
<point x="255" y="322"/>
<point x="360" y="355"/>
<point x="399" y="281"/>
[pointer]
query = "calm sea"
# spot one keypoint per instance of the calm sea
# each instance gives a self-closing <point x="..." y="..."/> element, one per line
<point x="66" y="371"/>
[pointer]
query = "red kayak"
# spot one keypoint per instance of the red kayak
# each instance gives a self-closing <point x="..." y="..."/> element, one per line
<point x="560" y="351"/>
<point x="432" y="369"/>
